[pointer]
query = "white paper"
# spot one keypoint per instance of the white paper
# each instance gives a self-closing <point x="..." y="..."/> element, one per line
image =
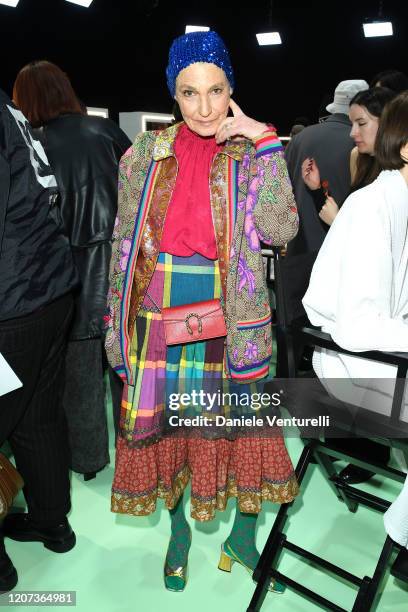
<point x="9" y="381"/>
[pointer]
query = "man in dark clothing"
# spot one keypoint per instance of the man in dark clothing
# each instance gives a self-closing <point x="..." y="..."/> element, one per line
<point x="36" y="278"/>
<point x="329" y="144"/>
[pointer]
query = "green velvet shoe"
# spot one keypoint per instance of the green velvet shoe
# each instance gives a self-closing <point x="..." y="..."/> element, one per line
<point x="175" y="579"/>
<point x="228" y="557"/>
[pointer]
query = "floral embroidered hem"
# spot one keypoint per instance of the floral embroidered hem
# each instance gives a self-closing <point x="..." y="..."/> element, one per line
<point x="253" y="470"/>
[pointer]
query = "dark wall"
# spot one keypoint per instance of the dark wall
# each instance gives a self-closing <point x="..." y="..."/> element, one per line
<point x="115" y="52"/>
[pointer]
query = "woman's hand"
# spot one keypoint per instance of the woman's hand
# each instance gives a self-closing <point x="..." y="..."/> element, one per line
<point x="310" y="173"/>
<point x="238" y="126"/>
<point x="329" y="211"/>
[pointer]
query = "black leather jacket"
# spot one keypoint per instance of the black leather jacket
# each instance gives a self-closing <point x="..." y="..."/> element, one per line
<point x="36" y="264"/>
<point x="84" y="153"/>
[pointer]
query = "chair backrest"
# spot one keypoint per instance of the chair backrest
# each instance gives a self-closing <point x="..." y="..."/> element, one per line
<point x="292" y="275"/>
<point x="289" y="333"/>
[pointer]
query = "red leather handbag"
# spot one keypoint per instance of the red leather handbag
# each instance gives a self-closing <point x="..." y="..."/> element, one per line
<point x="193" y="322"/>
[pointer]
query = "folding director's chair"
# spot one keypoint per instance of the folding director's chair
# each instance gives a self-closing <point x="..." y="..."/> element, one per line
<point x="320" y="451"/>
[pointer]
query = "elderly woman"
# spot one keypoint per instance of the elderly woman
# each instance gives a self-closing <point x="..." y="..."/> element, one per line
<point x="194" y="203"/>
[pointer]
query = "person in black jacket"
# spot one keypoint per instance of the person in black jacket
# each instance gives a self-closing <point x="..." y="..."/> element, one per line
<point x="330" y="144"/>
<point x="37" y="276"/>
<point x="84" y="153"/>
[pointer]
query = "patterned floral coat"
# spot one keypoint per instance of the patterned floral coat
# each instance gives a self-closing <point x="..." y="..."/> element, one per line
<point x="251" y="200"/>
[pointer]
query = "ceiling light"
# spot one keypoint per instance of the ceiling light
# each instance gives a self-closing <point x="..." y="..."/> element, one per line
<point x="191" y="28"/>
<point x="377" y="28"/>
<point x="269" y="38"/>
<point x="81" y="2"/>
<point x="9" y="2"/>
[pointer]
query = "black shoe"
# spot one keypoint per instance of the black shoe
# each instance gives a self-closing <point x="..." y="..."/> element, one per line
<point x="8" y="574"/>
<point x="58" y="538"/>
<point x="89" y="476"/>
<point x="352" y="474"/>
<point x="399" y="568"/>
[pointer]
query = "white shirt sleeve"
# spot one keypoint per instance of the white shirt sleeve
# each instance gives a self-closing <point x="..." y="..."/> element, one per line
<point x="363" y="288"/>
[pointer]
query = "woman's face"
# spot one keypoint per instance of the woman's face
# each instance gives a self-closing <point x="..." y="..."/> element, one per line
<point x="364" y="128"/>
<point x="203" y="94"/>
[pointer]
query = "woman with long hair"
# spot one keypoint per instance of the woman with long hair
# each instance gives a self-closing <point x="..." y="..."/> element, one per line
<point x="365" y="111"/>
<point x="84" y="154"/>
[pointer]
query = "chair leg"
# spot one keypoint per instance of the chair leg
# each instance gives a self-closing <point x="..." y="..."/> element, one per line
<point x="268" y="553"/>
<point x="286" y="356"/>
<point x="329" y="471"/>
<point x="369" y="589"/>
<point x="258" y="597"/>
<point x="261" y="573"/>
<point x="275" y="539"/>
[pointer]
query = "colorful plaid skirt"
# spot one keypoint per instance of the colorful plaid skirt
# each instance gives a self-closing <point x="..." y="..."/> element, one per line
<point x="150" y="464"/>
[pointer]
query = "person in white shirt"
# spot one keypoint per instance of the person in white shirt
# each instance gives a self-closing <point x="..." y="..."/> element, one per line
<point x="358" y="291"/>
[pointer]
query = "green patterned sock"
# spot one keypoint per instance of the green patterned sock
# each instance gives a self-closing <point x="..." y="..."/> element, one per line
<point x="242" y="538"/>
<point x="180" y="539"/>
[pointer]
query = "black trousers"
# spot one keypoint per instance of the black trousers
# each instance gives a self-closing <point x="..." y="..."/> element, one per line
<point x="84" y="404"/>
<point x="116" y="387"/>
<point x="32" y="418"/>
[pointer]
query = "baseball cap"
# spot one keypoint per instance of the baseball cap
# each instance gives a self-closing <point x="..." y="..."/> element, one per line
<point x="344" y="92"/>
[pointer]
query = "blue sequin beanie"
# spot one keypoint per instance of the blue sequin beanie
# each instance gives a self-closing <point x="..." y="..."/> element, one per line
<point x="197" y="47"/>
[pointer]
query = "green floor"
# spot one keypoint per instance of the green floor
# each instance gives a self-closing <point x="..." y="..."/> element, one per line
<point x="116" y="565"/>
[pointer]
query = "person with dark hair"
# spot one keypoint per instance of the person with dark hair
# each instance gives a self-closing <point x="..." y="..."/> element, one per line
<point x="329" y="144"/>
<point x="296" y="129"/>
<point x="392" y="79"/>
<point x="84" y="153"/>
<point x="392" y="154"/>
<point x="364" y="112"/>
<point x="194" y="204"/>
<point x="37" y="277"/>
<point x="299" y="124"/>
<point x="359" y="294"/>
<point x="44" y="92"/>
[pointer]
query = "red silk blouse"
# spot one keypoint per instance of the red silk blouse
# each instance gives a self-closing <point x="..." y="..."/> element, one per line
<point x="188" y="227"/>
